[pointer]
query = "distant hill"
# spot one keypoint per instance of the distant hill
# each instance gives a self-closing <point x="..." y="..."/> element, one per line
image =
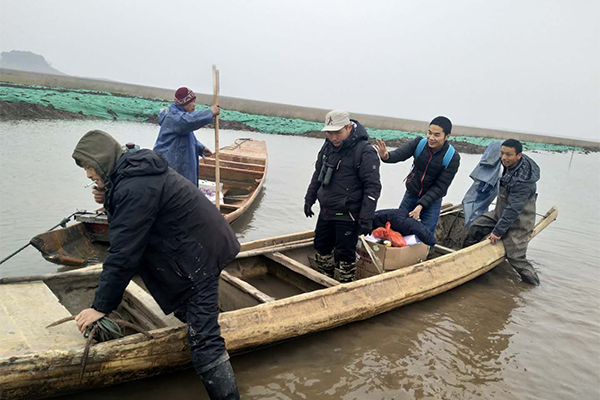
<point x="26" y="61"/>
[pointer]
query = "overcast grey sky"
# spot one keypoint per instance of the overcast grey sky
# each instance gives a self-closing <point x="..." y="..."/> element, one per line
<point x="524" y="65"/>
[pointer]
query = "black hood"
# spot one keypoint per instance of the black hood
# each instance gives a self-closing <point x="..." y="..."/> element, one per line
<point x="139" y="163"/>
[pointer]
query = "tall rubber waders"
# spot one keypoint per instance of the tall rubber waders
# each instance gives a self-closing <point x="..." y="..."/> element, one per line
<point x="216" y="103"/>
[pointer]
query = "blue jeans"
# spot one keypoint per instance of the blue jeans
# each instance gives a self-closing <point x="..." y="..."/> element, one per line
<point x="429" y="215"/>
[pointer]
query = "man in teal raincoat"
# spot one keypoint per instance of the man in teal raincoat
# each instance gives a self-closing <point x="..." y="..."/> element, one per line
<point x="176" y="141"/>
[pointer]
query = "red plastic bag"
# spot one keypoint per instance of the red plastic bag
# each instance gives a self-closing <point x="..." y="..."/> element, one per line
<point x="388" y="234"/>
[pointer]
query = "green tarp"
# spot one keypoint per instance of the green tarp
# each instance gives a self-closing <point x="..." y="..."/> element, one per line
<point x="125" y="108"/>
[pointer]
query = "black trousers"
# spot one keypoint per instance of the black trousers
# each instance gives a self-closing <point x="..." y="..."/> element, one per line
<point x="337" y="236"/>
<point x="201" y="314"/>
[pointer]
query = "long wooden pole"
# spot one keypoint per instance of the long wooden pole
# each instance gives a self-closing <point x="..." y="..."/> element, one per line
<point x="217" y="172"/>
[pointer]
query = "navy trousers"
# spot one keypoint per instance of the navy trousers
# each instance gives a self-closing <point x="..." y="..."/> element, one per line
<point x="429" y="215"/>
<point x="201" y="314"/>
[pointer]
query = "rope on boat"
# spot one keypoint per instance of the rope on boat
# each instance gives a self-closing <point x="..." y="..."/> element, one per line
<point x="62" y="223"/>
<point x="103" y="330"/>
<point x="236" y="144"/>
<point x="107" y="330"/>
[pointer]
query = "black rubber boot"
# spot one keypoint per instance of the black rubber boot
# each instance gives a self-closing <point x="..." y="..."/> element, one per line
<point x="325" y="264"/>
<point x="530" y="277"/>
<point x="345" y="272"/>
<point x="220" y="382"/>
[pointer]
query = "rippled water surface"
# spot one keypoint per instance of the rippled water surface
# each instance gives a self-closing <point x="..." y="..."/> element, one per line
<point x="493" y="337"/>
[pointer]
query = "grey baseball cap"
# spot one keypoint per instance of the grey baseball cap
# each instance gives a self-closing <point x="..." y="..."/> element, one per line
<point x="336" y="120"/>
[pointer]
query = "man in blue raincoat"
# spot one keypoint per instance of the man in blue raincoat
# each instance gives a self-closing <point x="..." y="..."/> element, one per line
<point x="176" y="141"/>
<point x="484" y="189"/>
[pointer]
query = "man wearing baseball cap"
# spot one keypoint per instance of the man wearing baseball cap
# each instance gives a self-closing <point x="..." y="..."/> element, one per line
<point x="176" y="140"/>
<point x="346" y="183"/>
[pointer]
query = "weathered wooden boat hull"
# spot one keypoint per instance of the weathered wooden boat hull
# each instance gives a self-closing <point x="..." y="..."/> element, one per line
<point x="243" y="169"/>
<point x="54" y="372"/>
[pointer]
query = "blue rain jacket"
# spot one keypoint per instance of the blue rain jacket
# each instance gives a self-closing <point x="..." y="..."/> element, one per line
<point x="484" y="189"/>
<point x="176" y="141"/>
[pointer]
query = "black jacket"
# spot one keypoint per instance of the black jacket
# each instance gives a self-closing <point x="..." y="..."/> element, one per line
<point x="354" y="189"/>
<point x="162" y="227"/>
<point x="428" y="179"/>
<point x="402" y="223"/>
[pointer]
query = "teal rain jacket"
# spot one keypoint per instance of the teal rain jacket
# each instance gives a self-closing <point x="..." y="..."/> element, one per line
<point x="176" y="141"/>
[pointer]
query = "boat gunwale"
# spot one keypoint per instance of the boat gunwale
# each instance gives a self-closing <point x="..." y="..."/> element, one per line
<point x="240" y="334"/>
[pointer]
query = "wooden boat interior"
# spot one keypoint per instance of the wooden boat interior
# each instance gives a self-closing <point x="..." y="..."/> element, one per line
<point x="77" y="245"/>
<point x="242" y="168"/>
<point x="246" y="282"/>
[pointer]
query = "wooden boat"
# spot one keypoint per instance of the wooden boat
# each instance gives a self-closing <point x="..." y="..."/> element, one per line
<point x="268" y="294"/>
<point x="243" y="169"/>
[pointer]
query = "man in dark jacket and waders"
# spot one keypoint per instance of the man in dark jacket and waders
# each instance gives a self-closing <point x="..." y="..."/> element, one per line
<point x="164" y="229"/>
<point x="434" y="167"/>
<point x="346" y="183"/>
<point x="513" y="219"/>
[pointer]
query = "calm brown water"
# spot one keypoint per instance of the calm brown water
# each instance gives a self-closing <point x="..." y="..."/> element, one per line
<point x="493" y="337"/>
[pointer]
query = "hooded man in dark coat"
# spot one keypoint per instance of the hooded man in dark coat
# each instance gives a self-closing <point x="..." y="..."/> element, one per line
<point x="164" y="229"/>
<point x="513" y="219"/>
<point x="346" y="183"/>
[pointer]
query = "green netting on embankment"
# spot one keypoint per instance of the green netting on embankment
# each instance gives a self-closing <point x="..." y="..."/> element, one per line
<point x="126" y="108"/>
<point x="85" y="102"/>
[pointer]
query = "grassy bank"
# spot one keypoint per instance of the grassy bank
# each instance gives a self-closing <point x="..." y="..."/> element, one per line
<point x="22" y="102"/>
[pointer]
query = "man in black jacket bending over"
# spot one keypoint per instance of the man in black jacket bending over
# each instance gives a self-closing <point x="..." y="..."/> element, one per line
<point x="434" y="166"/>
<point x="346" y="183"/>
<point x="162" y="228"/>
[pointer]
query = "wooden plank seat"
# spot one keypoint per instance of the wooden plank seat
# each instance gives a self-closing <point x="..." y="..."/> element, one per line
<point x="229" y="207"/>
<point x="302" y="269"/>
<point x="239" y="158"/>
<point x="246" y="287"/>
<point x="142" y="306"/>
<point x="234" y="164"/>
<point x="229" y="174"/>
<point x="25" y="311"/>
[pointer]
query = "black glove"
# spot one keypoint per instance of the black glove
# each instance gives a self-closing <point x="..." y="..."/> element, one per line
<point x="365" y="226"/>
<point x="307" y="210"/>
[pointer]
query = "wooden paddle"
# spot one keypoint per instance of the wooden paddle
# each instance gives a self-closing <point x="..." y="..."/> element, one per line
<point x="216" y="103"/>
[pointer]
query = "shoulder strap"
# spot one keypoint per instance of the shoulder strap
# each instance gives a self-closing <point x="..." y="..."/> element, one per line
<point x="448" y="156"/>
<point x="420" y="147"/>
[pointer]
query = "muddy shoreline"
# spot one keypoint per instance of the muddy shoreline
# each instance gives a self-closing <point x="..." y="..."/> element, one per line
<point x="14" y="111"/>
<point x="27" y="111"/>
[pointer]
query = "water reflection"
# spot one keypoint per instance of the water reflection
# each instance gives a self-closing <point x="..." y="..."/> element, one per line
<point x="441" y="348"/>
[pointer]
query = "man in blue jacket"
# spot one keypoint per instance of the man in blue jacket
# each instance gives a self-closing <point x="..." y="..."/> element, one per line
<point x="434" y="167"/>
<point x="176" y="141"/>
<point x="162" y="228"/>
